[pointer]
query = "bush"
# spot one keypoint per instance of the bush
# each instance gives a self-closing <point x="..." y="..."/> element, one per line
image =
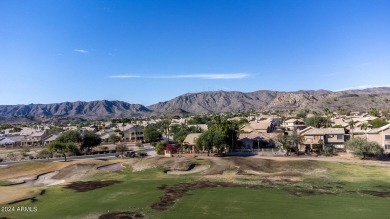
<point x="328" y="151"/>
<point x="140" y="145"/>
<point x="142" y="154"/>
<point x="363" y="148"/>
<point x="160" y="147"/>
<point x="44" y="154"/>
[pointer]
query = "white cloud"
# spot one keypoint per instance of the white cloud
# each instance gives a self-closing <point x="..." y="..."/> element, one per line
<point x="81" y="51"/>
<point x="200" y="76"/>
<point x="363" y="87"/>
<point x="124" y="76"/>
<point x="214" y="76"/>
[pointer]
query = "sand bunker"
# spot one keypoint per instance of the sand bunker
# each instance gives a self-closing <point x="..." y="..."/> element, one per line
<point x="193" y="168"/>
<point x="112" y="167"/>
<point x="45" y="179"/>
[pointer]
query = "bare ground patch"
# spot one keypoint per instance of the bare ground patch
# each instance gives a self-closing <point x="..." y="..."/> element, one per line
<point x="85" y="186"/>
<point x="383" y="194"/>
<point x="172" y="193"/>
<point x="174" y="163"/>
<point x="122" y="215"/>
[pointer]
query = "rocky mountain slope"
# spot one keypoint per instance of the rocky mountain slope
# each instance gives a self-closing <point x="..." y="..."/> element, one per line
<point x="211" y="102"/>
<point x="93" y="109"/>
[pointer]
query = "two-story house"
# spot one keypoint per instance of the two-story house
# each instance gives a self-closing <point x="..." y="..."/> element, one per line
<point x="314" y="138"/>
<point x="134" y="134"/>
<point x="381" y="136"/>
<point x="293" y="124"/>
<point x="35" y="139"/>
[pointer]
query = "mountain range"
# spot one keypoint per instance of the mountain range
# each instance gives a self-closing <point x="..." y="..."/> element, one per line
<point x="211" y="102"/>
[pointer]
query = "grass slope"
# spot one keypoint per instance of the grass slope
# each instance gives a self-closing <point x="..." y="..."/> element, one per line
<point x="138" y="191"/>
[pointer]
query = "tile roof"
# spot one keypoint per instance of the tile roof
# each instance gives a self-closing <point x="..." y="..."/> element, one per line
<point x="191" y="138"/>
<point x="325" y="131"/>
<point x="374" y="131"/>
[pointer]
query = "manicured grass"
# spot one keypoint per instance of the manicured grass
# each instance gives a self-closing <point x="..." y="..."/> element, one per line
<point x="274" y="203"/>
<point x="138" y="191"/>
<point x="5" y="183"/>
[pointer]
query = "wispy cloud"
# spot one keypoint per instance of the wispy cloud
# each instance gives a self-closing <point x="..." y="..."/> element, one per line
<point x="81" y="51"/>
<point x="363" y="87"/>
<point x="199" y="76"/>
<point x="124" y="76"/>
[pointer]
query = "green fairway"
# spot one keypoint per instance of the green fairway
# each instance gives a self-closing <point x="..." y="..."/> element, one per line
<point x="274" y="203"/>
<point x="337" y="195"/>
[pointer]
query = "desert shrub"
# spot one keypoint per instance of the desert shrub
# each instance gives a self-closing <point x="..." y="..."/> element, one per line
<point x="328" y="151"/>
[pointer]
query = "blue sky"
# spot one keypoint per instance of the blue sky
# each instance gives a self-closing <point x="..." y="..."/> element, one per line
<point x="150" y="51"/>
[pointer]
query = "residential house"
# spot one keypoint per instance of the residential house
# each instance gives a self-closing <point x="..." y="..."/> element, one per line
<point x="190" y="140"/>
<point x="35" y="139"/>
<point x="381" y="136"/>
<point x="134" y="134"/>
<point x="293" y="125"/>
<point x="256" y="140"/>
<point x="313" y="138"/>
<point x="4" y="141"/>
<point x="49" y="139"/>
<point x="262" y="126"/>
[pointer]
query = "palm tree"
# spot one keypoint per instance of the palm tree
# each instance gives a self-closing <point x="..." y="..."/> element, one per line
<point x="296" y="140"/>
<point x="364" y="127"/>
<point x="351" y="125"/>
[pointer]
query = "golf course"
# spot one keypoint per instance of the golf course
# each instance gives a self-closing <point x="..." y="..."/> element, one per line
<point x="204" y="187"/>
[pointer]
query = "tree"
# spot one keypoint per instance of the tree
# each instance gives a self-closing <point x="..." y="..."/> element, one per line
<point x="227" y="129"/>
<point x="364" y="126"/>
<point x="90" y="140"/>
<point x="296" y="140"/>
<point x="53" y="130"/>
<point x="352" y="126"/>
<point x="373" y="112"/>
<point x="205" y="140"/>
<point x="377" y="123"/>
<point x="363" y="148"/>
<point x="151" y="134"/>
<point x="121" y="149"/>
<point x="160" y="147"/>
<point x="114" y="138"/>
<point x="301" y="115"/>
<point x="317" y="121"/>
<point x="71" y="136"/>
<point x="44" y="154"/>
<point x="62" y="148"/>
<point x="285" y="142"/>
<point x="198" y="120"/>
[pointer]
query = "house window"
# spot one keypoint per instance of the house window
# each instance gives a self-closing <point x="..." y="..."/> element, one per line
<point x="387" y="146"/>
<point x="339" y="137"/>
<point x="387" y="137"/>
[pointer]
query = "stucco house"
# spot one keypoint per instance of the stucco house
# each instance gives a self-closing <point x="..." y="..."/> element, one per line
<point x="293" y="124"/>
<point x="319" y="137"/>
<point x="381" y="136"/>
<point x="134" y="134"/>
